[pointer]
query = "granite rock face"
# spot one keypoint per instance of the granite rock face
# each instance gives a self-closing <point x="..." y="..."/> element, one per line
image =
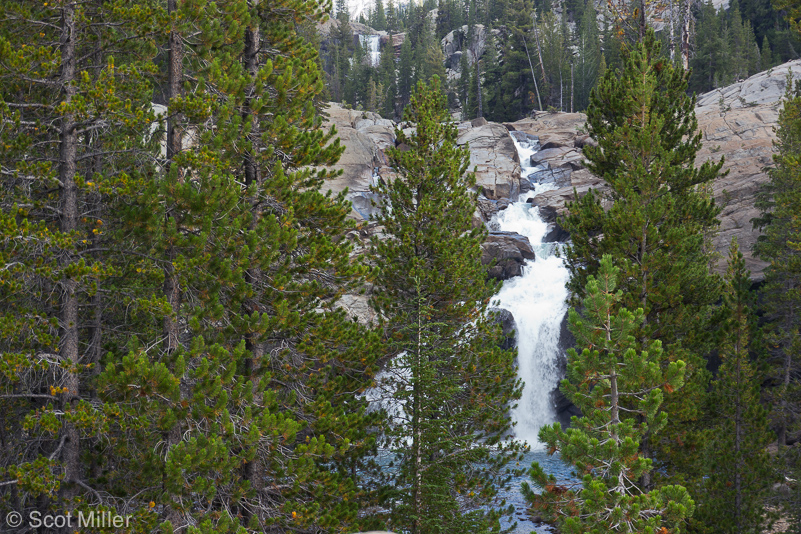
<point x="493" y="154"/>
<point x="365" y="136"/>
<point x="736" y="122"/>
<point x="509" y="251"/>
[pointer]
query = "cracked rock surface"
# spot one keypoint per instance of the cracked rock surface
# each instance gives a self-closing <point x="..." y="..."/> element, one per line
<point x="736" y="122"/>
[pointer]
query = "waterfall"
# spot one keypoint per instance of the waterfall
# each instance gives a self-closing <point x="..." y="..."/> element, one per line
<point x="537" y="301"/>
<point x="371" y="44"/>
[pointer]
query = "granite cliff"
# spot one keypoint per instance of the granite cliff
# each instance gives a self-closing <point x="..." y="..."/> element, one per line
<point x="737" y="122"/>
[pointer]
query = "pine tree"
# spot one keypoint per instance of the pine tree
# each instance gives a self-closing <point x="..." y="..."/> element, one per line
<point x="519" y="53"/>
<point x="645" y="126"/>
<point x="75" y="109"/>
<point x="445" y="369"/>
<point x="613" y="375"/>
<point x="379" y="20"/>
<point x="709" y="49"/>
<point x="765" y="55"/>
<point x="388" y="79"/>
<point x="779" y="200"/>
<point x="731" y="498"/>
<point x="393" y="24"/>
<point x="588" y="59"/>
<point x="406" y="72"/>
<point x="172" y="345"/>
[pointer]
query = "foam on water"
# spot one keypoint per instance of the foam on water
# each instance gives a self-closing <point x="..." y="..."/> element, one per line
<point x="537" y="301"/>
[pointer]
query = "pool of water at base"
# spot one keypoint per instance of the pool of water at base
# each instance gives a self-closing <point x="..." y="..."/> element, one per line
<point x="550" y="464"/>
<point x="523" y="525"/>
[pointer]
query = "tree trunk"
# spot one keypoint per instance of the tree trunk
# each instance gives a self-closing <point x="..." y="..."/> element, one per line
<point x="174" y="146"/>
<point x="478" y="89"/>
<point x="416" y="426"/>
<point x="533" y="76"/>
<point x="68" y="287"/>
<point x="539" y="52"/>
<point x="251" y="469"/>
<point x="171" y="288"/>
<point x="571" y="86"/>
<point x="685" y="35"/>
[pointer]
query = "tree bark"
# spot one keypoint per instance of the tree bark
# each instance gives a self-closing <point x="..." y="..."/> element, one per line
<point x="68" y="287"/>
<point x="533" y="76"/>
<point x="171" y="288"/>
<point x="251" y="469"/>
<point x="174" y="146"/>
<point x="685" y="35"/>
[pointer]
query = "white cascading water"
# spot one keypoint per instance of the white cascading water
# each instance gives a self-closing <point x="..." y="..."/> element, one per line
<point x="537" y="301"/>
<point x="371" y="44"/>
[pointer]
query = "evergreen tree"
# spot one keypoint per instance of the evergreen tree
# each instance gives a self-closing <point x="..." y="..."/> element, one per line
<point x="553" y="38"/>
<point x="388" y="79"/>
<point x="588" y="58"/>
<point x="731" y="497"/>
<point x="646" y="129"/>
<point x="393" y="24"/>
<point x="765" y="55"/>
<point x="709" y="57"/>
<point x="446" y="371"/>
<point x="519" y="53"/>
<point x="613" y="375"/>
<point x="209" y="277"/>
<point x="75" y="109"/>
<point x="379" y="19"/>
<point x="406" y="72"/>
<point x="779" y="200"/>
<point x="343" y="37"/>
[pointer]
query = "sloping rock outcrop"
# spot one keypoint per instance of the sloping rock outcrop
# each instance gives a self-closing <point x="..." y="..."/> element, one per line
<point x="493" y="154"/>
<point x="736" y="122"/>
<point x="365" y="135"/>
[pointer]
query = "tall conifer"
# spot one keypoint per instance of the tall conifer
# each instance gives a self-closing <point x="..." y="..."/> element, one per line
<point x="613" y="376"/>
<point x="732" y="497"/>
<point x="445" y="369"/>
<point x="657" y="216"/>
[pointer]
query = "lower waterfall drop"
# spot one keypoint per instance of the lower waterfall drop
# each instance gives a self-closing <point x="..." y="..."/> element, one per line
<point x="536" y="299"/>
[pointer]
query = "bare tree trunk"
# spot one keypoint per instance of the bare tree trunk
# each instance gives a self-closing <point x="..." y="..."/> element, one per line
<point x="571" y="86"/>
<point x="539" y="51"/>
<point x="685" y="36"/>
<point x="533" y="76"/>
<point x="478" y="89"/>
<point x="68" y="287"/>
<point x="643" y="24"/>
<point x="174" y="146"/>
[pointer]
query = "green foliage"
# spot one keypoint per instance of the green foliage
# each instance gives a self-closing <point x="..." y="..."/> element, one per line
<point x="617" y="384"/>
<point x="653" y="220"/>
<point x="450" y="380"/>
<point x="732" y="495"/>
<point x="588" y="62"/>
<point x="178" y="352"/>
<point x="779" y="200"/>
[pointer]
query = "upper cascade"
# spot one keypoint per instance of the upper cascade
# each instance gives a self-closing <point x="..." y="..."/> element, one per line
<point x="736" y="122"/>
